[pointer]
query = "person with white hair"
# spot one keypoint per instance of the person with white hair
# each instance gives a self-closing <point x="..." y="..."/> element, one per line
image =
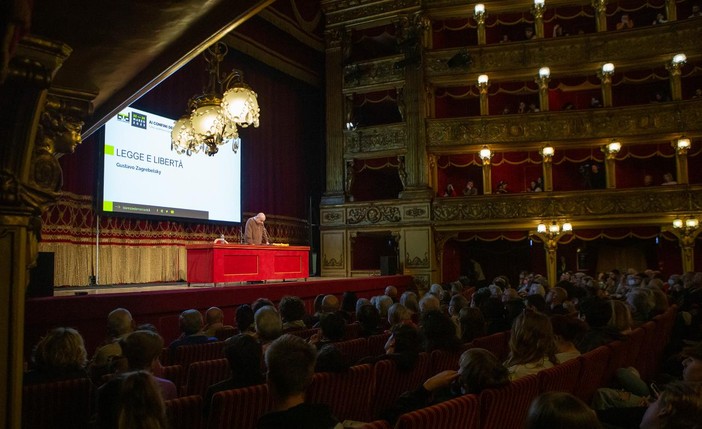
<point x="255" y="231"/>
<point x="119" y="325"/>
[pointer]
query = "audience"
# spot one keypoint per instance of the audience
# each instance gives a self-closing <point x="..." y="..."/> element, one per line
<point x="59" y="355"/>
<point x="555" y="410"/>
<point x="532" y="347"/>
<point x="131" y="401"/>
<point x="245" y="320"/>
<point x="214" y="322"/>
<point x="142" y="350"/>
<point x="191" y="325"/>
<point x="565" y="331"/>
<point x="292" y="313"/>
<point x="119" y="325"/>
<point x="290" y="362"/>
<point x="268" y="325"/>
<point x="678" y="407"/>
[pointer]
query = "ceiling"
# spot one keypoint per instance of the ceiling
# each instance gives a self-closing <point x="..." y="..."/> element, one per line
<point x="122" y="49"/>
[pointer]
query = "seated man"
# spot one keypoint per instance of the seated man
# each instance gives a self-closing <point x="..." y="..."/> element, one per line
<point x="214" y="319"/>
<point x="191" y="325"/>
<point x="119" y="325"/>
<point x="290" y="361"/>
<point x="142" y="350"/>
<point x="268" y="324"/>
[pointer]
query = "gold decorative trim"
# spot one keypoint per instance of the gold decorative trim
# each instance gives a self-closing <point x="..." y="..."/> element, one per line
<point x="347" y="11"/>
<point x="417" y="262"/>
<point x="376" y="139"/>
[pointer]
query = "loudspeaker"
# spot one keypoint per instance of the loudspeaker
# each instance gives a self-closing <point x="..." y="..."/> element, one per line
<point x="388" y="265"/>
<point x="41" y="277"/>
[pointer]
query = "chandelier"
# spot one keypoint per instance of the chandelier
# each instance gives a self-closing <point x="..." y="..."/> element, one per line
<point x="214" y="116"/>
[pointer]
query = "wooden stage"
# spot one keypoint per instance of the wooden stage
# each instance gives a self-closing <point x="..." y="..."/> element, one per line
<point x="161" y="304"/>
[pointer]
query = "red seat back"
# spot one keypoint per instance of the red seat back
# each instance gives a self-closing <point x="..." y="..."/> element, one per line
<point x="592" y="372"/>
<point x="174" y="373"/>
<point x="506" y="407"/>
<point x="462" y="412"/>
<point x="376" y="424"/>
<point x="57" y="405"/>
<point x="303" y="333"/>
<point x="225" y="332"/>
<point x="185" y="412"/>
<point x="390" y="382"/>
<point x="563" y="377"/>
<point x="204" y="374"/>
<point x="497" y="343"/>
<point x="185" y="355"/>
<point x="442" y="360"/>
<point x="376" y="344"/>
<point x="647" y="360"/>
<point x="632" y="346"/>
<point x="353" y="350"/>
<point x="348" y="393"/>
<point x="239" y="408"/>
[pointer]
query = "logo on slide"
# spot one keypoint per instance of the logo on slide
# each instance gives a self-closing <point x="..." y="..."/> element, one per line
<point x="123" y="117"/>
<point x="138" y="120"/>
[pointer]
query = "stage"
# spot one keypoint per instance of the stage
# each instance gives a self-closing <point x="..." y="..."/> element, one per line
<point x="86" y="308"/>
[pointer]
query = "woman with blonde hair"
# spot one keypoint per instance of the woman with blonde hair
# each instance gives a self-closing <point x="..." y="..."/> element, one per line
<point x="621" y="319"/>
<point x="59" y="355"/>
<point x="532" y="346"/>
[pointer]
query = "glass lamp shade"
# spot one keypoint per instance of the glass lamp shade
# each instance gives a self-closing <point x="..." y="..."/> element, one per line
<point x="554" y="228"/>
<point x="479" y="9"/>
<point x="679" y="59"/>
<point x="207" y="120"/>
<point x="614" y="147"/>
<point x="608" y="68"/>
<point x="547" y="151"/>
<point x="677" y="223"/>
<point x="182" y="136"/>
<point x="692" y="223"/>
<point x="485" y="153"/>
<point x="567" y="227"/>
<point x="544" y="72"/>
<point x="483" y="79"/>
<point x="240" y="105"/>
<point x="541" y="228"/>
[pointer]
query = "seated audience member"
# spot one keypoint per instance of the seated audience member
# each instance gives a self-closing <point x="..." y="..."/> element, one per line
<point x="59" y="355"/>
<point x="403" y="347"/>
<point x="565" y="331"/>
<point x="383" y="304"/>
<point x="596" y="312"/>
<point x="494" y="313"/>
<point x="560" y="410"/>
<point x="535" y="302"/>
<point x="640" y="301"/>
<point x="131" y="401"/>
<point x="621" y="317"/>
<point x="331" y="330"/>
<point x="330" y="359"/>
<point x="428" y="303"/>
<point x="245" y="356"/>
<point x="438" y="332"/>
<point x="290" y="362"/>
<point x="368" y="317"/>
<point x="478" y="370"/>
<point x="472" y="324"/>
<point x="532" y="347"/>
<point x="625" y="22"/>
<point x="245" y="320"/>
<point x="348" y="305"/>
<point x="191" y="325"/>
<point x="391" y="291"/>
<point x="555" y="299"/>
<point x="409" y="300"/>
<point x="268" y="325"/>
<point x="119" y="325"/>
<point x="330" y="304"/>
<point x="214" y="321"/>
<point x="292" y="313"/>
<point x="142" y="350"/>
<point x="399" y="314"/>
<point x="678" y="407"/>
<point x="261" y="302"/>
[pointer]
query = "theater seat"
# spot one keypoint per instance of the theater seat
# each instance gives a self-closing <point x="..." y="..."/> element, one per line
<point x="496" y="343"/>
<point x="239" y="408"/>
<point x="185" y="412"/>
<point x="462" y="412"/>
<point x="185" y="355"/>
<point x="592" y="373"/>
<point x="347" y="393"/>
<point x="204" y="374"/>
<point x="563" y="377"/>
<point x="390" y="382"/>
<point x="57" y="405"/>
<point x="376" y="344"/>
<point x="353" y="350"/>
<point x="442" y="360"/>
<point x="506" y="407"/>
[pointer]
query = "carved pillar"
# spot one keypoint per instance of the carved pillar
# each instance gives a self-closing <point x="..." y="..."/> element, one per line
<point x="433" y="173"/>
<point x="543" y="81"/>
<point x="551" y="247"/>
<point x="480" y="16"/>
<point x="335" y="115"/>
<point x="547" y="171"/>
<point x="601" y="13"/>
<point x="606" y="84"/>
<point x="37" y="127"/>
<point x="487" y="176"/>
<point x="681" y="162"/>
<point x="483" y="86"/>
<point x="537" y="10"/>
<point x="675" y="70"/>
<point x="610" y="169"/>
<point x="686" y="240"/>
<point x="410" y="30"/>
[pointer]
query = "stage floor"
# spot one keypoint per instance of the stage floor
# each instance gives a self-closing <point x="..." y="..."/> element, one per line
<point x="151" y="287"/>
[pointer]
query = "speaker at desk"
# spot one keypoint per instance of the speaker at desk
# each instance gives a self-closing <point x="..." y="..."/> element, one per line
<point x="388" y="265"/>
<point x="41" y="277"/>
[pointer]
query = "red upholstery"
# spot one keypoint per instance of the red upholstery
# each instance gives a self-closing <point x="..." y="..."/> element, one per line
<point x="226" y="332"/>
<point x="632" y="347"/>
<point x="647" y="360"/>
<point x="174" y="373"/>
<point x="185" y="355"/>
<point x="592" y="373"/>
<point x="239" y="408"/>
<point x="497" y="343"/>
<point x="616" y="360"/>
<point x="303" y="333"/>
<point x="563" y="377"/>
<point x="204" y="374"/>
<point x="442" y="360"/>
<point x="351" y="331"/>
<point x="57" y="405"/>
<point x="376" y="344"/>
<point x="353" y="350"/>
<point x="506" y="407"/>
<point x="348" y="393"/>
<point x="185" y="412"/>
<point x="462" y="412"/>
<point x="390" y="382"/>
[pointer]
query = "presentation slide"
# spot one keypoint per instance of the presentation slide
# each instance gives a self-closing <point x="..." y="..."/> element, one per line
<point x="143" y="176"/>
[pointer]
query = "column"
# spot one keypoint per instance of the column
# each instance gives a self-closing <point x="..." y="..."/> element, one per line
<point x="601" y="14"/>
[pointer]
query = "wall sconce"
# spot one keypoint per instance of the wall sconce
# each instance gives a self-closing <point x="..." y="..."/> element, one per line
<point x="553" y="231"/>
<point x="485" y="154"/>
<point x="547" y="153"/>
<point x="544" y="73"/>
<point x="605" y="73"/>
<point x="479" y="13"/>
<point x="679" y="59"/>
<point x="612" y="148"/>
<point x="689" y="224"/>
<point x="483" y="80"/>
<point x="682" y="145"/>
<point x="538" y="8"/>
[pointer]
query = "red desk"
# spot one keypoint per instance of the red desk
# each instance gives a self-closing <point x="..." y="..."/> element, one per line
<point x="223" y="263"/>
